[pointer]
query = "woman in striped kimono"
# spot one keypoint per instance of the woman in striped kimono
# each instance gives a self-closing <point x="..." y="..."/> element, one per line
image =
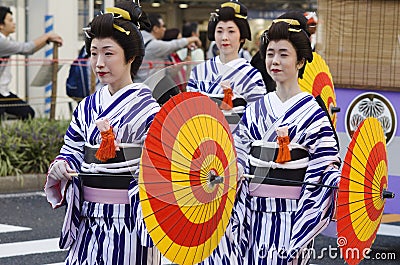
<point x="103" y="222"/>
<point x="229" y="28"/>
<point x="282" y="141"/>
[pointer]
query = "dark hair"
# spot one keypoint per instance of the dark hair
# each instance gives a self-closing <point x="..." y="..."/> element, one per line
<point x="154" y="19"/>
<point x="171" y="34"/>
<point x="296" y="15"/>
<point x="281" y="30"/>
<point x="188" y="28"/>
<point x="3" y="13"/>
<point x="124" y="30"/>
<point x="235" y="11"/>
<point x="299" y="16"/>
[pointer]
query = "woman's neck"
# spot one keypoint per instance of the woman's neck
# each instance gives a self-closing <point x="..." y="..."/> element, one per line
<point x="285" y="92"/>
<point x="114" y="88"/>
<point x="226" y="58"/>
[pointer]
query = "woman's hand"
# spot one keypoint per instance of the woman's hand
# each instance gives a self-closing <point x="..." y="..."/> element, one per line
<point x="60" y="170"/>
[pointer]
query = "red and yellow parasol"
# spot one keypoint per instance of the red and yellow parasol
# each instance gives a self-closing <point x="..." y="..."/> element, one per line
<point x="362" y="191"/>
<point x="317" y="80"/>
<point x="188" y="176"/>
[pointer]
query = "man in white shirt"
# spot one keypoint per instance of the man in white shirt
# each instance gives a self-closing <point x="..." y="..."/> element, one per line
<point x="157" y="50"/>
<point x="190" y="29"/>
<point x="9" y="102"/>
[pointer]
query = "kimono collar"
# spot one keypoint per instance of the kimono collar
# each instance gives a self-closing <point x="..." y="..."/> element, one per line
<point x="282" y="107"/>
<point x="230" y="63"/>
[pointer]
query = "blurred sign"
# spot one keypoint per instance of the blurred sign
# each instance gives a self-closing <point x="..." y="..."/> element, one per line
<point x="265" y="14"/>
<point x="44" y="75"/>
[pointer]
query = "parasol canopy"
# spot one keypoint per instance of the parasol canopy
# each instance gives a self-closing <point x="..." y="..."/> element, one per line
<point x="317" y="80"/>
<point x="188" y="176"/>
<point x="362" y="191"/>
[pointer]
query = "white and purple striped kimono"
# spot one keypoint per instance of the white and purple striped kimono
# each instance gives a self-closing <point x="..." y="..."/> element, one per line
<point x="246" y="81"/>
<point x="99" y="233"/>
<point x="274" y="230"/>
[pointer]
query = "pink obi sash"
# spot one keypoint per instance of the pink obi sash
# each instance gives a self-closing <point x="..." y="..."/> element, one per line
<point x="274" y="191"/>
<point x="107" y="196"/>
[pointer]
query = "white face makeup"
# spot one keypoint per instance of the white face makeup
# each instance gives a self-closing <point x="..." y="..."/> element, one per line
<point x="108" y="61"/>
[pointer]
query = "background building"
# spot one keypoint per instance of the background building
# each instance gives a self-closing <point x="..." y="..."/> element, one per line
<point x="69" y="17"/>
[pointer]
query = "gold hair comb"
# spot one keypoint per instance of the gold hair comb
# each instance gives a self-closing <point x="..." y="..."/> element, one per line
<point x="235" y="7"/>
<point x="127" y="32"/>
<point x="292" y="22"/>
<point x="116" y="10"/>
<point x="121" y="14"/>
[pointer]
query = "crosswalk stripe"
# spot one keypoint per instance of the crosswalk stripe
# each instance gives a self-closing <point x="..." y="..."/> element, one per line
<point x="19" y="195"/>
<point x="384" y="230"/>
<point x="12" y="228"/>
<point x="29" y="247"/>
<point x="389" y="230"/>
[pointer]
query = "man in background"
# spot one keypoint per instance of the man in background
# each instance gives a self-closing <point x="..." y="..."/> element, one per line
<point x="190" y="29"/>
<point x="9" y="102"/>
<point x="157" y="50"/>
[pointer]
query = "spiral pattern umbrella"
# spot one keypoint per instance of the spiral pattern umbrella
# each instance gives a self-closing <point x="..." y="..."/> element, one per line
<point x="362" y="190"/>
<point x="188" y="176"/>
<point x="317" y="80"/>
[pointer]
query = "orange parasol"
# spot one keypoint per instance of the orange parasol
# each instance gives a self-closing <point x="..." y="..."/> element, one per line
<point x="362" y="191"/>
<point x="188" y="176"/>
<point x="317" y="80"/>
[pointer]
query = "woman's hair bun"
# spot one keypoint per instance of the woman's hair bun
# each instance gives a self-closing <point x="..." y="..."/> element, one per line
<point x="137" y="15"/>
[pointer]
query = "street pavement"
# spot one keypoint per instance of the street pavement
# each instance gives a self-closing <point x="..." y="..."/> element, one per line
<point x="29" y="231"/>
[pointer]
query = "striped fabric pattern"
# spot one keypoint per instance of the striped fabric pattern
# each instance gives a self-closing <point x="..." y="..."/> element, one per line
<point x="107" y="235"/>
<point x="278" y="230"/>
<point x="104" y="233"/>
<point x="130" y="113"/>
<point x="226" y="253"/>
<point x="245" y="80"/>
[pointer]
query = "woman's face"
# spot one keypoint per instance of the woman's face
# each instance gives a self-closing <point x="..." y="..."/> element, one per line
<point x="227" y="37"/>
<point x="108" y="62"/>
<point x="281" y="61"/>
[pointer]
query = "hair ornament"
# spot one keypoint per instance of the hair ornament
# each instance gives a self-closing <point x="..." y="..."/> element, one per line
<point x="139" y="18"/>
<point x="214" y="17"/>
<point x="264" y="37"/>
<point x="121" y="29"/>
<point x="120" y="12"/>
<point x="291" y="22"/>
<point x="235" y="7"/>
<point x="86" y="30"/>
